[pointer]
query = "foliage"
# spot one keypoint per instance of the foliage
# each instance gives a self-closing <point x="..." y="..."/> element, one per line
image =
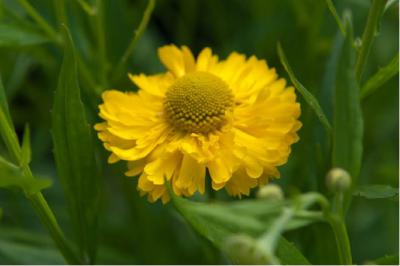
<point x="59" y="56"/>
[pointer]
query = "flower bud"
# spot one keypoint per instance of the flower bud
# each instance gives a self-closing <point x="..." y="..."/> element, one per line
<point x="270" y="191"/>
<point x="338" y="180"/>
<point x="243" y="249"/>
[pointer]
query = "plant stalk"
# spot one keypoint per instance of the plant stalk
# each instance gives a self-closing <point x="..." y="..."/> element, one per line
<point x="48" y="219"/>
<point x="37" y="200"/>
<point x="342" y="239"/>
<point x="370" y="30"/>
<point x="136" y="36"/>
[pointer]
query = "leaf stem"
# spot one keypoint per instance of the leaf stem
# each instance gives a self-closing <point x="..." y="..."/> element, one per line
<point x="370" y="30"/>
<point x="37" y="200"/>
<point x="308" y="97"/>
<point x="336" y="219"/>
<point x="9" y="137"/>
<point x="380" y="77"/>
<point x="136" y="36"/>
<point x="269" y="239"/>
<point x="39" y="20"/>
<point x="48" y="219"/>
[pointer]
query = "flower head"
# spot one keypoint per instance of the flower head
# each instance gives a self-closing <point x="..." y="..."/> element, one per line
<point x="234" y="119"/>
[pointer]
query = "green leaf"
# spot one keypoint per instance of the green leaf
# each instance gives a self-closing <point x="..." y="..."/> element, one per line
<point x="376" y="191"/>
<point x="74" y="153"/>
<point x="36" y="248"/>
<point x="380" y="77"/>
<point x="15" y="35"/>
<point x="12" y="176"/>
<point x="348" y="121"/>
<point x="308" y="97"/>
<point x="386" y="260"/>
<point x="26" y="153"/>
<point x="289" y="254"/>
<point x="219" y="221"/>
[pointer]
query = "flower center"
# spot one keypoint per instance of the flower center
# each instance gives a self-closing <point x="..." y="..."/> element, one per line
<point x="198" y="102"/>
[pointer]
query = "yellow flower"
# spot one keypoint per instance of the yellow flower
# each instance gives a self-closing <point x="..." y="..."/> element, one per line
<point x="234" y="119"/>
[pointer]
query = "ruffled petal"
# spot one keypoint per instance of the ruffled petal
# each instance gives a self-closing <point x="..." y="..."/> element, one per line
<point x="240" y="184"/>
<point x="191" y="176"/>
<point x="162" y="168"/>
<point x="155" y="85"/>
<point x="153" y="191"/>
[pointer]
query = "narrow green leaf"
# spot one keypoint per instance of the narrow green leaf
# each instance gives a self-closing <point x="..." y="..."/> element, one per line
<point x="7" y="131"/>
<point x="370" y="32"/>
<point x="15" y="35"/>
<point x="3" y="103"/>
<point x="390" y="4"/>
<point x="219" y="221"/>
<point x="348" y="121"/>
<point x="11" y="176"/>
<point x="308" y="97"/>
<point x="334" y="13"/>
<point x="86" y="7"/>
<point x="380" y="77"/>
<point x="74" y="154"/>
<point x="376" y="191"/>
<point x="9" y="137"/>
<point x="26" y="153"/>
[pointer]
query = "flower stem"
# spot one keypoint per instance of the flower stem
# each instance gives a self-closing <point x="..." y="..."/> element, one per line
<point x="374" y="16"/>
<point x="48" y="219"/>
<point x="336" y="219"/>
<point x="342" y="239"/>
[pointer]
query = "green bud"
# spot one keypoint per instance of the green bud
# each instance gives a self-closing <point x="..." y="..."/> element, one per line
<point x="338" y="180"/>
<point x="270" y="191"/>
<point x="243" y="249"/>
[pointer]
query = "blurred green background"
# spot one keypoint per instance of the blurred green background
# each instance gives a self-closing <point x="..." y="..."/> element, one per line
<point x="131" y="230"/>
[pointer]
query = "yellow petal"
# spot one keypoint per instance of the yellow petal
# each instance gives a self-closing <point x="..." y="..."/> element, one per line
<point x="155" y="85"/>
<point x="191" y="175"/>
<point x="178" y="62"/>
<point x="219" y="170"/>
<point x="135" y="167"/>
<point x="205" y="60"/>
<point x="190" y="64"/>
<point x="240" y="184"/>
<point x="113" y="158"/>
<point x="162" y="168"/>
